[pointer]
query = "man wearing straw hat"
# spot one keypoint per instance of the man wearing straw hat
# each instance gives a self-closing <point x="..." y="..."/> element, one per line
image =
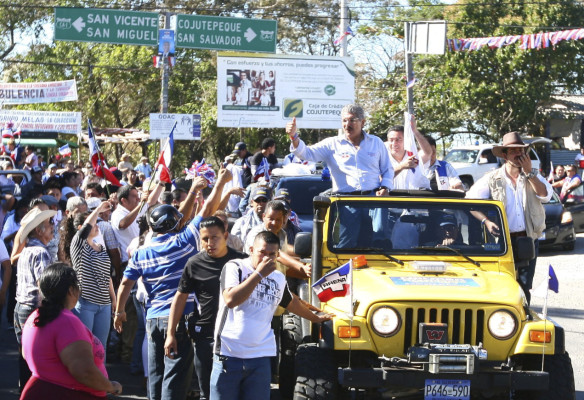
<point x="36" y="227"/>
<point x="523" y="192"/>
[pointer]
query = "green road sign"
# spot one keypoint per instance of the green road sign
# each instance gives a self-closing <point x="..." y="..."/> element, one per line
<point x="222" y="33"/>
<point x="106" y="26"/>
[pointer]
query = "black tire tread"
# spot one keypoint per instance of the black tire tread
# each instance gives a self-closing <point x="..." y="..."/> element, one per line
<point x="562" y="386"/>
<point x="316" y="374"/>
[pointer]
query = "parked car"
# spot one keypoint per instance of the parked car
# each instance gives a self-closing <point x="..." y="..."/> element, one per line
<point x="12" y="180"/>
<point x="559" y="226"/>
<point x="472" y="162"/>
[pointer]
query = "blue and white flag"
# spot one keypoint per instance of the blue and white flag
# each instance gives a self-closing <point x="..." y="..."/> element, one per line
<point x="263" y="170"/>
<point x="336" y="283"/>
<point x="65" y="151"/>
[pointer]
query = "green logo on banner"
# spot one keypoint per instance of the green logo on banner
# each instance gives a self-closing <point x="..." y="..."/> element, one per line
<point x="329" y="90"/>
<point x="293" y="108"/>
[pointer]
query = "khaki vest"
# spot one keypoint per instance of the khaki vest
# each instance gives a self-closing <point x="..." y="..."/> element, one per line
<point x="533" y="210"/>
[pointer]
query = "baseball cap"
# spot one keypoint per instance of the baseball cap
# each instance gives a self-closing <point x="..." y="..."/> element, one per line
<point x="260" y="192"/>
<point x="240" y="146"/>
<point x="282" y="194"/>
<point x="448" y="219"/>
<point x="49" y="200"/>
<point x="36" y="169"/>
<point x="93" y="203"/>
<point x="51" y="166"/>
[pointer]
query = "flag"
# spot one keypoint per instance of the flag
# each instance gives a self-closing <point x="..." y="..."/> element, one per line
<point x="98" y="160"/>
<point x="166" y="157"/>
<point x="263" y="170"/>
<point x="347" y="32"/>
<point x="411" y="83"/>
<point x="336" y="283"/>
<point x="554" y="285"/>
<point x="202" y="169"/>
<point x="65" y="151"/>
<point x="551" y="174"/>
<point x="409" y="138"/>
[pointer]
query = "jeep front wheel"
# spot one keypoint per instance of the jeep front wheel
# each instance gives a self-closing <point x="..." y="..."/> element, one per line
<point x="316" y="373"/>
<point x="561" y="375"/>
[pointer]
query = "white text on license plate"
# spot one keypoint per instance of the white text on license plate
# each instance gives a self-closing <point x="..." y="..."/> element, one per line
<point x="447" y="389"/>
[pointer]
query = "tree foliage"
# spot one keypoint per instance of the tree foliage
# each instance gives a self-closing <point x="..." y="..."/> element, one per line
<point x="490" y="91"/>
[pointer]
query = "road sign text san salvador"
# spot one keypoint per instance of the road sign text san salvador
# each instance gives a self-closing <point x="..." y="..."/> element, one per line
<point x="106" y="26"/>
<point x="222" y="33"/>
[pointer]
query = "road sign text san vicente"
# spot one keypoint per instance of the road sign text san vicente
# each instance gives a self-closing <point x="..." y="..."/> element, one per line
<point x="106" y="26"/>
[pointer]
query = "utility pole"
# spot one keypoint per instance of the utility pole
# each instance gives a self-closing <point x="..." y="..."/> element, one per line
<point x="343" y="26"/>
<point x="409" y="66"/>
<point x="165" y="73"/>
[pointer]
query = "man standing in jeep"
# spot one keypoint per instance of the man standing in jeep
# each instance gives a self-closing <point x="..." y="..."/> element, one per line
<point x="359" y="165"/>
<point x="522" y="191"/>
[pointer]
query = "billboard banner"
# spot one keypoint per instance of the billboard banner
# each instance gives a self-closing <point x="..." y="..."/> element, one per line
<point x="38" y="92"/>
<point x="267" y="91"/>
<point x="43" y="121"/>
<point x="188" y="126"/>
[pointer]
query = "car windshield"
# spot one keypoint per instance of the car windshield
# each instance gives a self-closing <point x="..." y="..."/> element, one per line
<point x="414" y="228"/>
<point x="461" y="156"/>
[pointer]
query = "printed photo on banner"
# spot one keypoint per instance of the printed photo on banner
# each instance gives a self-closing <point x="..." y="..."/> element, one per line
<point x="261" y="91"/>
<point x="250" y="90"/>
<point x="165" y="48"/>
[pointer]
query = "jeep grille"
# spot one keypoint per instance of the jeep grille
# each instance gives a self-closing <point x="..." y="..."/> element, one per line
<point x="465" y="325"/>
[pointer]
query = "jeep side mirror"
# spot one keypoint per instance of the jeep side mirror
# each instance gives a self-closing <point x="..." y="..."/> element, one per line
<point x="303" y="244"/>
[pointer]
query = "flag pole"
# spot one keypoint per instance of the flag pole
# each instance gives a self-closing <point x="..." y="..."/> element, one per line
<point x="100" y="157"/>
<point x="158" y="164"/>
<point x="545" y="321"/>
<point x="351" y="312"/>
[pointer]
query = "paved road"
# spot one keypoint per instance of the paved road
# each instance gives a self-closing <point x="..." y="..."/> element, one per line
<point x="566" y="307"/>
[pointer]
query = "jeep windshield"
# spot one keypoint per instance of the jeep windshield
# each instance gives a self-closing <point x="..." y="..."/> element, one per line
<point x="412" y="227"/>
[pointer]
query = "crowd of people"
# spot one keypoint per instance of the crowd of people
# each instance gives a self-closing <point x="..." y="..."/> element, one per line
<point x="75" y="249"/>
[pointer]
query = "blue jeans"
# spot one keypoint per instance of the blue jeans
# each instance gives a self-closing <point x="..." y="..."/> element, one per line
<point x="240" y="379"/>
<point x="203" y="342"/>
<point x="168" y="379"/>
<point x="21" y="314"/>
<point x="97" y="318"/>
<point x="136" y="363"/>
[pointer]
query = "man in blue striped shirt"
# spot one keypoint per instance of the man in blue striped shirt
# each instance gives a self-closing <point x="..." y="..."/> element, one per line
<point x="160" y="263"/>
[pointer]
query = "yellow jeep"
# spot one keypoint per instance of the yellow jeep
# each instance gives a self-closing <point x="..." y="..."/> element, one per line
<point x="435" y="311"/>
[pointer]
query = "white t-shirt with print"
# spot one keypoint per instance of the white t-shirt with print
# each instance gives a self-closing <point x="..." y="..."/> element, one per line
<point x="245" y="331"/>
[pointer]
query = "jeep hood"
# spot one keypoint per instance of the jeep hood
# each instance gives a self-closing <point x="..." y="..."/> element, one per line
<point x="457" y="284"/>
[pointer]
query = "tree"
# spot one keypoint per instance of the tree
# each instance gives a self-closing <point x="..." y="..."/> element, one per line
<point x="490" y="91"/>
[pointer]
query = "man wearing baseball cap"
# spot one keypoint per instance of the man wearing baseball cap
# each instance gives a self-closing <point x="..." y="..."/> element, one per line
<point x="260" y="195"/>
<point x="244" y="162"/>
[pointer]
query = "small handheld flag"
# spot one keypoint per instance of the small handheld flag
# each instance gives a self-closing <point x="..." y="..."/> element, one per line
<point x="336" y="283"/>
<point x="165" y="158"/>
<point x="98" y="160"/>
<point x="263" y="170"/>
<point x="65" y="151"/>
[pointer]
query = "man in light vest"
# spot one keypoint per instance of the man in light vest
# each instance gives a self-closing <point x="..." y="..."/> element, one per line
<point x="441" y="174"/>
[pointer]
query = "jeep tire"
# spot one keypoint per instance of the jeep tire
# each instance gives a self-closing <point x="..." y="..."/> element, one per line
<point x="316" y="373"/>
<point x="290" y="339"/>
<point x="561" y="375"/>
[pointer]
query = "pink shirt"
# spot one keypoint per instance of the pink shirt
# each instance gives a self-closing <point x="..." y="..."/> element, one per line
<point x="41" y="348"/>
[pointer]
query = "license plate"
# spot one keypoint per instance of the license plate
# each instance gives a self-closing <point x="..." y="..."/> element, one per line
<point x="447" y="389"/>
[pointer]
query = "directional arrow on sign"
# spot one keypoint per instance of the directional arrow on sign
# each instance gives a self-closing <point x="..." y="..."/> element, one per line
<point x="79" y="24"/>
<point x="249" y="34"/>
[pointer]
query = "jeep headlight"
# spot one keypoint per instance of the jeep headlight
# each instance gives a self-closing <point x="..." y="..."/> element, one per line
<point x="502" y="324"/>
<point x="385" y="321"/>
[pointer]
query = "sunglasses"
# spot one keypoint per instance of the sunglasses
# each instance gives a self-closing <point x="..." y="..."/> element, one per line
<point x="261" y="200"/>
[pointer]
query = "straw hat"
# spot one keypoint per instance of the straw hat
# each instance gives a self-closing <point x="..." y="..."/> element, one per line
<point x="511" y="139"/>
<point x="32" y="219"/>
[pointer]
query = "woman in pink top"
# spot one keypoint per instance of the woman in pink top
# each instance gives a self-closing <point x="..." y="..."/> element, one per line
<point x="65" y="359"/>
